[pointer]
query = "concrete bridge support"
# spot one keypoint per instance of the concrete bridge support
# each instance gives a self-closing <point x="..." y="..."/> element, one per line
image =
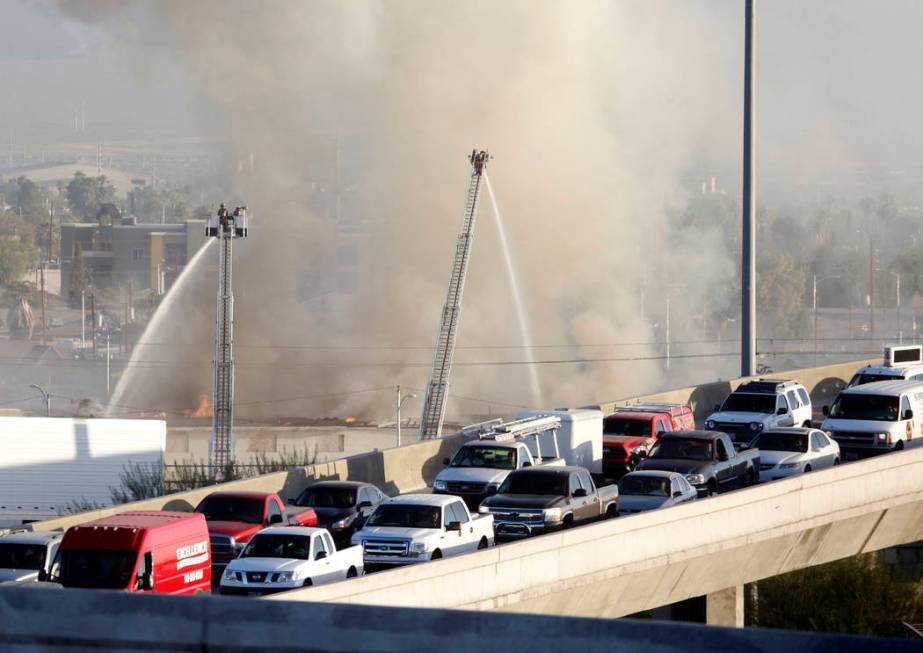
<point x="725" y="607"/>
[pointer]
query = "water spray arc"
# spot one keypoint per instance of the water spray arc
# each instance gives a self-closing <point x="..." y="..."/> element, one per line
<point x="224" y="226"/>
<point x="437" y="390"/>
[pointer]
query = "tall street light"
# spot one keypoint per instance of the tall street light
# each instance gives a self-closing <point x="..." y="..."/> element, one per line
<point x="398" y="403"/>
<point x="46" y="398"/>
<point x="748" y="233"/>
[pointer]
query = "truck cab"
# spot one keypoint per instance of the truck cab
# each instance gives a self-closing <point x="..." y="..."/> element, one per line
<point x="479" y="468"/>
<point x="234" y="517"/>
<point x="630" y="431"/>
<point x="875" y="417"/>
<point x="761" y="404"/>
<point x="900" y="362"/>
<point x="158" y="552"/>
<point x="26" y="554"/>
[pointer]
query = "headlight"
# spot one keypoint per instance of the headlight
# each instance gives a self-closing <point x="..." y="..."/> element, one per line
<point x="710" y="424"/>
<point x="756" y="426"/>
<point x="439" y="485"/>
<point x="790" y="465"/>
<point x="286" y="576"/>
<point x="551" y="514"/>
<point x="343" y="523"/>
<point x="882" y="436"/>
<point x="230" y="574"/>
<point x="418" y="547"/>
<point x="829" y="434"/>
<point x="695" y="479"/>
<point x="483" y="510"/>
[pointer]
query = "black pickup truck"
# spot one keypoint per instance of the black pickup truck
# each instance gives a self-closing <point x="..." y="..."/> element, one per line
<point x="707" y="459"/>
<point x="541" y="499"/>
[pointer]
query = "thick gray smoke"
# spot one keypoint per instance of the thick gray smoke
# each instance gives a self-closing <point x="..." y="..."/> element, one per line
<point x="594" y="112"/>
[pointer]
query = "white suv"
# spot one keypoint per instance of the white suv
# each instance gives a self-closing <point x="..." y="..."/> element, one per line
<point x="761" y="404"/>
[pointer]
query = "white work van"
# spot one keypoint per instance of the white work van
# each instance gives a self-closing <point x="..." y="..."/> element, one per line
<point x="876" y="417"/>
<point x="899" y="362"/>
<point x="47" y="463"/>
<point x="579" y="438"/>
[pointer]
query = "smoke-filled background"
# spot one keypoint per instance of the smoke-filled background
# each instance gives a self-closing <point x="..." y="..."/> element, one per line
<point x="605" y="119"/>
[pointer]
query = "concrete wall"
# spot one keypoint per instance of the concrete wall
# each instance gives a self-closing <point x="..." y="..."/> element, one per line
<point x="187" y="444"/>
<point x="34" y="620"/>
<point x="635" y="563"/>
<point x="396" y="470"/>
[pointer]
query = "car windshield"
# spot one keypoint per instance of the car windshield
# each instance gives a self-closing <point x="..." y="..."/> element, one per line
<point x="93" y="568"/>
<point x="647" y="486"/>
<point x="864" y="377"/>
<point x="535" y="483"/>
<point x="327" y="497"/>
<point x="271" y="545"/>
<point x="781" y="442"/>
<point x="485" y="456"/>
<point x="22" y="556"/>
<point x="405" y="515"/>
<point x="876" y="408"/>
<point x="742" y="402"/>
<point x="682" y="449"/>
<point x="625" y="426"/>
<point x="249" y="511"/>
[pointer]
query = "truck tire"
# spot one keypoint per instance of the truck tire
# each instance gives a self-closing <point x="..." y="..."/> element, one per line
<point x="807" y="424"/>
<point x="612" y="511"/>
<point x="483" y="543"/>
<point x="352" y="573"/>
<point x="712" y="488"/>
<point x="899" y="446"/>
<point x="437" y="555"/>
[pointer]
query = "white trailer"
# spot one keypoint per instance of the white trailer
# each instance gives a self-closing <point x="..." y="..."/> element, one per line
<point x="579" y="438"/>
<point x="47" y="463"/>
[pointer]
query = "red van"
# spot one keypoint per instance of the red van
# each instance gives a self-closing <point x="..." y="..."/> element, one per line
<point x="157" y="551"/>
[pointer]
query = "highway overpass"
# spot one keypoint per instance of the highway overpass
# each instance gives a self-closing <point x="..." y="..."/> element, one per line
<point x="709" y="547"/>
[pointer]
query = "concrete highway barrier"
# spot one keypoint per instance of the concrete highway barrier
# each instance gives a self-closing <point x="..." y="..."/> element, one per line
<point x="34" y="620"/>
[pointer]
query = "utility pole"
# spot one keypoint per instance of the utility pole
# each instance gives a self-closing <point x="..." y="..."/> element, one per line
<point x="748" y="232"/>
<point x="814" y="308"/>
<point x="871" y="288"/>
<point x="83" y="321"/>
<point x="398" y="422"/>
<point x="93" y="319"/>
<point x="44" y="323"/>
<point x="108" y="357"/>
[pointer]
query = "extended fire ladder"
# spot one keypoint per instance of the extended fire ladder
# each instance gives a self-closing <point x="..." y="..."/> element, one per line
<point x="225" y="227"/>
<point x="436" y="391"/>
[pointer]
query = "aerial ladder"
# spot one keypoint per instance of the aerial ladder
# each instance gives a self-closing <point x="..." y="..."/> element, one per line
<point x="437" y="390"/>
<point x="226" y="227"/>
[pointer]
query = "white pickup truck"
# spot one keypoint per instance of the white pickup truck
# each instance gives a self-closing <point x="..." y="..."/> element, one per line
<point x="418" y="527"/>
<point x="286" y="557"/>
<point x="25" y="553"/>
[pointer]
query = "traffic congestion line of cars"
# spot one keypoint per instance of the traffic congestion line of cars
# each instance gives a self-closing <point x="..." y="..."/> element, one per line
<point x="542" y="472"/>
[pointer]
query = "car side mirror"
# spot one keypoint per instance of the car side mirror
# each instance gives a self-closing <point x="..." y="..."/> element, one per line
<point x="825" y="410"/>
<point x="580" y="492"/>
<point x="364" y="504"/>
<point x="290" y="501"/>
<point x="445" y="462"/>
<point x="42" y="575"/>
<point x="908" y="414"/>
<point x="146" y="582"/>
<point x="275" y="519"/>
<point x="782" y="410"/>
<point x="526" y="464"/>
<point x="677" y="494"/>
<point x="320" y="555"/>
<point x="453" y="526"/>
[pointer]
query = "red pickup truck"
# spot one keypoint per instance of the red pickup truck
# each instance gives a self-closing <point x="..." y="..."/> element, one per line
<point x="630" y="431"/>
<point x="234" y="517"/>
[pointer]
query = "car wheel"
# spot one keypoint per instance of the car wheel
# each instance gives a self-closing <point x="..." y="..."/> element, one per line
<point x="437" y="555"/>
<point x="569" y="521"/>
<point x="307" y="582"/>
<point x="751" y="477"/>
<point x="352" y="573"/>
<point x="807" y="424"/>
<point x="899" y="446"/>
<point x="836" y="461"/>
<point x="612" y="511"/>
<point x="712" y="488"/>
<point x="807" y="468"/>
<point x="483" y="543"/>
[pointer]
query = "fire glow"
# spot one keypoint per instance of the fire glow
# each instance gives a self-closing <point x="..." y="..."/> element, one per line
<point x="203" y="409"/>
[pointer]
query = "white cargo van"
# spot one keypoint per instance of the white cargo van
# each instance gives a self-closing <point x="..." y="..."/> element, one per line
<point x="876" y="417"/>
<point x="579" y="439"/>
<point x="899" y="362"/>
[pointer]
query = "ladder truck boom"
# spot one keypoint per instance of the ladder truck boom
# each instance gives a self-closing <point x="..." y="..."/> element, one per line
<point x="437" y="390"/>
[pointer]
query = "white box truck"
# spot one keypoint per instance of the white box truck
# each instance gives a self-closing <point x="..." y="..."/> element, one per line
<point x="46" y="463"/>
<point x="579" y="439"/>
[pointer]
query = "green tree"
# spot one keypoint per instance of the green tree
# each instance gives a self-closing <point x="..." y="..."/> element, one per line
<point x="780" y="291"/>
<point x="860" y="595"/>
<point x="85" y="195"/>
<point x="16" y="259"/>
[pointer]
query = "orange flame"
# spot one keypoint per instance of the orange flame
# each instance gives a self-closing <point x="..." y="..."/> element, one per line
<point x="352" y="420"/>
<point x="202" y="410"/>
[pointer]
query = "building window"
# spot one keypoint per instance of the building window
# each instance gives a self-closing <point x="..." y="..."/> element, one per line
<point x="137" y="254"/>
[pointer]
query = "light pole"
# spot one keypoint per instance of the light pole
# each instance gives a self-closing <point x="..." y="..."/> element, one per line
<point x="897" y="278"/>
<point x="46" y="398"/>
<point x="399" y="401"/>
<point x="107" y="364"/>
<point x="83" y="322"/>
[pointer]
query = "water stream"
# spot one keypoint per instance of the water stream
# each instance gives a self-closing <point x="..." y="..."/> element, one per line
<point x="524" y="331"/>
<point x="156" y="324"/>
